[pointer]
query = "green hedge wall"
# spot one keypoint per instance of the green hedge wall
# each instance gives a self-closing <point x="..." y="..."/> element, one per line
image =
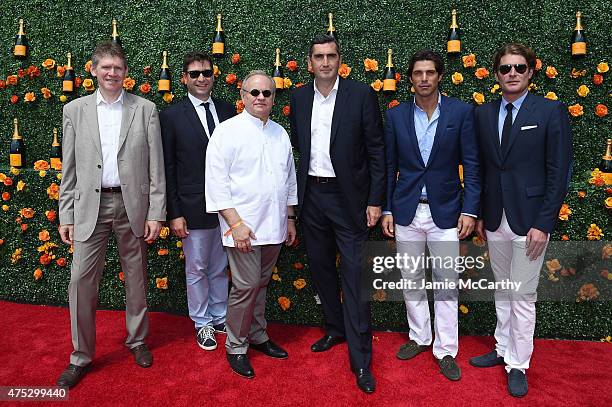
<point x="254" y="29"/>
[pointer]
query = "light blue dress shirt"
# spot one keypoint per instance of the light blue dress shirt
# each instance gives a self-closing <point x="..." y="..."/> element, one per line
<point x="516" y="106"/>
<point x="425" y="129"/>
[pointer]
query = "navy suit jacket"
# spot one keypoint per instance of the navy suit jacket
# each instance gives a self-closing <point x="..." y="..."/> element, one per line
<point x="529" y="179"/>
<point x="356" y="149"/>
<point x="454" y="144"/>
<point x="185" y="141"/>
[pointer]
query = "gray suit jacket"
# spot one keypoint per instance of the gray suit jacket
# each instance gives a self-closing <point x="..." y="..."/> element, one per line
<point x="139" y="157"/>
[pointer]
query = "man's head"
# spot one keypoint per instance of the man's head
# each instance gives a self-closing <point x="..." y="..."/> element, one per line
<point x="324" y="58"/>
<point x="257" y="91"/>
<point x="198" y="74"/>
<point x="514" y="65"/>
<point x="109" y="66"/>
<point x="425" y="70"/>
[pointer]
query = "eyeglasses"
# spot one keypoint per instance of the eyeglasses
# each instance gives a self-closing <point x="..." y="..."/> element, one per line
<point x="255" y="92"/>
<point x="195" y="74"/>
<point x="519" y="68"/>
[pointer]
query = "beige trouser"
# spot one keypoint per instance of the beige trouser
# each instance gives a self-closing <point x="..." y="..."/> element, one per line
<point x="87" y="267"/>
<point x="246" y="305"/>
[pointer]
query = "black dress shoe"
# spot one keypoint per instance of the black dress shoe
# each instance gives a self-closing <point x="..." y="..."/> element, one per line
<point x="449" y="368"/>
<point x="487" y="360"/>
<point x="326" y="342"/>
<point x="517" y="383"/>
<point x="72" y="375"/>
<point x="365" y="380"/>
<point x="142" y="356"/>
<point x="271" y="349"/>
<point x="240" y="364"/>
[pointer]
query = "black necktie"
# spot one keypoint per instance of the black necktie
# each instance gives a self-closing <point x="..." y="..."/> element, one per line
<point x="507" y="127"/>
<point x="209" y="119"/>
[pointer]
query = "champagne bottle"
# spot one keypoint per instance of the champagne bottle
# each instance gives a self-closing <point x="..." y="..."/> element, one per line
<point x="69" y="76"/>
<point x="453" y="44"/>
<point x="115" y="35"/>
<point x="163" y="84"/>
<point x="17" y="153"/>
<point x="277" y="75"/>
<point x="22" y="47"/>
<point x="218" y="46"/>
<point x="331" y="30"/>
<point x="606" y="163"/>
<point x="56" y="151"/>
<point x="579" y="46"/>
<point x="389" y="84"/>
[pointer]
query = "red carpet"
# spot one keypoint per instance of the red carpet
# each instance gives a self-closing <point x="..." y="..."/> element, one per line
<point x="37" y="343"/>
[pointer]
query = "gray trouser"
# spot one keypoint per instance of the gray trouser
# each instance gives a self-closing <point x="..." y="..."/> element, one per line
<point x="246" y="306"/>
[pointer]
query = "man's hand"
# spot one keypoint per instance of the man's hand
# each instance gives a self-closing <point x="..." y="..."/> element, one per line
<point x="465" y="226"/>
<point x="536" y="242"/>
<point x="242" y="236"/>
<point x="291" y="232"/>
<point x="373" y="213"/>
<point x="387" y="225"/>
<point x="151" y="231"/>
<point x="178" y="227"/>
<point x="480" y="229"/>
<point x="66" y="232"/>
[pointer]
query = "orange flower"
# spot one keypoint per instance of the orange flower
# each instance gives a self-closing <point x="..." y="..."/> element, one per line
<point x="24" y="227"/>
<point x="601" y="110"/>
<point x="481" y="73"/>
<point x="38" y="274"/>
<point x="14" y="99"/>
<point x="594" y="232"/>
<point x="21" y="73"/>
<point x="287" y="83"/>
<point x="78" y="81"/>
<point x="128" y="83"/>
<point x="583" y="91"/>
<point x="553" y="265"/>
<point x="48" y="63"/>
<point x="603" y="67"/>
<point x="377" y="85"/>
<point x="145" y="88"/>
<point x="581" y="194"/>
<point x="8" y="181"/>
<point x="61" y="261"/>
<point x="231" y="78"/>
<point x="27" y="213"/>
<point x="239" y="106"/>
<point x="457" y="78"/>
<point x="50" y="215"/>
<point x="43" y="235"/>
<point x="147" y="70"/>
<point x="286" y="110"/>
<point x="57" y="165"/>
<point x="161" y="283"/>
<point x="538" y="65"/>
<point x="235" y="58"/>
<point x="88" y="84"/>
<point x="577" y="73"/>
<point x="45" y="259"/>
<point x="298" y="265"/>
<point x="564" y="212"/>
<point x="564" y="237"/>
<point x="299" y="283"/>
<point x="292" y="66"/>
<point x="597" y="79"/>
<point x="41" y="165"/>
<point x="478" y="98"/>
<point x="379" y="295"/>
<point x="53" y="191"/>
<point x="284" y="303"/>
<point x="12" y="80"/>
<point x="575" y="110"/>
<point x="393" y="103"/>
<point x="2" y="84"/>
<point x="606" y="252"/>
<point x="478" y="242"/>
<point x="370" y="64"/>
<point x="162" y="252"/>
<point x="608" y="202"/>
<point x="216" y="71"/>
<point x="469" y="61"/>
<point x="398" y="77"/>
<point x="121" y="276"/>
<point x="29" y="97"/>
<point x="88" y="66"/>
<point x="344" y="71"/>
<point x="587" y="292"/>
<point x="61" y="70"/>
<point x="551" y="72"/>
<point x="6" y="196"/>
<point x="239" y="85"/>
<point x="46" y="92"/>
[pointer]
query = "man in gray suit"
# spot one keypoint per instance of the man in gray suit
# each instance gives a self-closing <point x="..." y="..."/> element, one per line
<point x="113" y="181"/>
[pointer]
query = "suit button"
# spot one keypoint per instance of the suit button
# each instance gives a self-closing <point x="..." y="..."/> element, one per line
<point x="97" y="190"/>
<point x="99" y="166"/>
<point x="503" y="168"/>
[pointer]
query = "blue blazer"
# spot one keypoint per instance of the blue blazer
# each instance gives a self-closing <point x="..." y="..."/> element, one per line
<point x="454" y="144"/>
<point x="529" y="179"/>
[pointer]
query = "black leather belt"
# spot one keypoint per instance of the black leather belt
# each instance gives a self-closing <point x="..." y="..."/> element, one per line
<point x="113" y="190"/>
<point x="322" y="180"/>
<point x="424" y="201"/>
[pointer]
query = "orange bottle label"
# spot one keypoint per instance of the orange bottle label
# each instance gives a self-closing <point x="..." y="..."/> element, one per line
<point x="389" y="85"/>
<point x="607" y="176"/>
<point x="280" y="83"/>
<point x="20" y="50"/>
<point x="163" y="85"/>
<point x="579" y="48"/>
<point x="67" y="86"/>
<point x="16" y="160"/>
<point x="218" y="48"/>
<point x="56" y="162"/>
<point x="453" y="46"/>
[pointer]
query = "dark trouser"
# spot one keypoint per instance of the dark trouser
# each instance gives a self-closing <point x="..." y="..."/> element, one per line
<point x="328" y="226"/>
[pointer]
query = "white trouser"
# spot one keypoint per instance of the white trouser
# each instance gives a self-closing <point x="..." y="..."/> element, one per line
<point x="442" y="243"/>
<point x="516" y="312"/>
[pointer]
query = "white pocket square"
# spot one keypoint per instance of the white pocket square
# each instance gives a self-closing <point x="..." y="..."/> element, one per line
<point x="535" y="126"/>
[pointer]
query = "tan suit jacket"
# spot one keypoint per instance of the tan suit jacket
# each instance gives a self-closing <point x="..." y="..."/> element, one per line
<point x="139" y="157"/>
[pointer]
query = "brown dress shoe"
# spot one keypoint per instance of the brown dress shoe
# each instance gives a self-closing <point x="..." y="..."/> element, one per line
<point x="142" y="356"/>
<point x="72" y="375"/>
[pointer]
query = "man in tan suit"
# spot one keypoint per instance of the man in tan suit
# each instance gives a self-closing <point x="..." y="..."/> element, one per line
<point x="113" y="181"/>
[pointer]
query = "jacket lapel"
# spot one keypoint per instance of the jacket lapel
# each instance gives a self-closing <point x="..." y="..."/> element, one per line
<point x="341" y="102"/>
<point x="521" y="118"/>
<point x="440" y="128"/>
<point x="411" y="132"/>
<point x="493" y="118"/>
<point x="128" y="110"/>
<point x="194" y="120"/>
<point x="90" y="112"/>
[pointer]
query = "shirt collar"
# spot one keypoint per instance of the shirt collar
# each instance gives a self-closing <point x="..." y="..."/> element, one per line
<point x="334" y="88"/>
<point x="197" y="102"/>
<point x="516" y="104"/>
<point x="100" y="98"/>
<point x="439" y="102"/>
<point x="255" y="120"/>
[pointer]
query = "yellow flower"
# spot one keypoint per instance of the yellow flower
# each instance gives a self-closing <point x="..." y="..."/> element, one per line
<point x="577" y="73"/>
<point x="478" y="98"/>
<point x="88" y="84"/>
<point x="603" y="67"/>
<point x="370" y="64"/>
<point x="128" y="83"/>
<point x="168" y="97"/>
<point x="469" y="61"/>
<point x="48" y="63"/>
<point x="164" y="232"/>
<point x="463" y="309"/>
<point x="179" y="244"/>
<point x="377" y="85"/>
<point x="457" y="78"/>
<point x="42" y="173"/>
<point x="5" y="208"/>
<point x="299" y="283"/>
<point x="495" y="88"/>
<point x="608" y="202"/>
<point x="216" y="70"/>
<point x="276" y="277"/>
<point x="583" y="91"/>
<point x="553" y="265"/>
<point x="20" y="185"/>
<point x="594" y="232"/>
<point x="532" y="86"/>
<point x="287" y="83"/>
<point x="29" y="97"/>
<point x="59" y="176"/>
<point x="63" y="98"/>
<point x="551" y="96"/>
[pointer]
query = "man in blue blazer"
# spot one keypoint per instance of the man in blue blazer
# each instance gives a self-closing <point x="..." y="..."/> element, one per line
<point x="526" y="150"/>
<point x="426" y="140"/>
<point x="186" y="128"/>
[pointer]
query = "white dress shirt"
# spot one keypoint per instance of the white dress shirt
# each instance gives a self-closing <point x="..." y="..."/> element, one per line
<point x="320" y="132"/>
<point x="250" y="167"/>
<point x="201" y="111"/>
<point x="109" y="125"/>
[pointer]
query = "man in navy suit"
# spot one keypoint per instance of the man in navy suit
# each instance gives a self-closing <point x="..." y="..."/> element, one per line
<point x="336" y="126"/>
<point x="426" y="140"/>
<point x="526" y="150"/>
<point x="186" y="128"/>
